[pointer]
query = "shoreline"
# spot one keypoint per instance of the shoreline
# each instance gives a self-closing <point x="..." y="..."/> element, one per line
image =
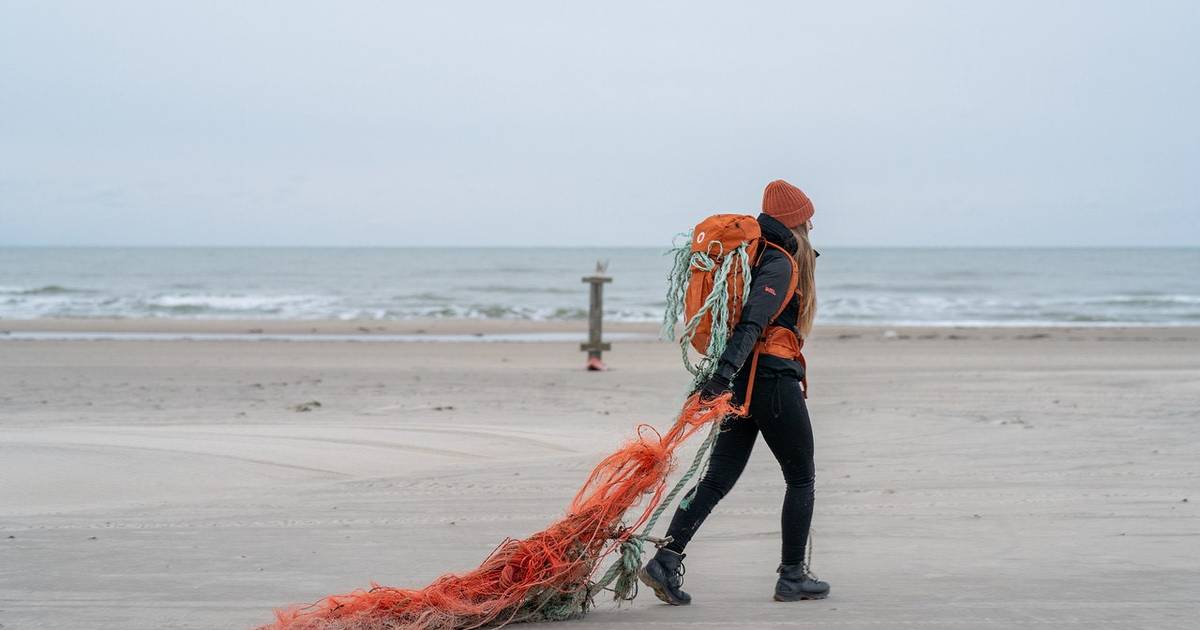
<point x="500" y="330"/>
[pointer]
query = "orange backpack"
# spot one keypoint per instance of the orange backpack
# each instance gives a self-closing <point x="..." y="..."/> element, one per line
<point x="712" y="278"/>
<point x="719" y="238"/>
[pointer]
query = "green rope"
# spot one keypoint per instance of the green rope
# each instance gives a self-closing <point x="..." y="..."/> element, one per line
<point x="686" y="501"/>
<point x="677" y="284"/>
<point x="624" y="571"/>
<point x="716" y="305"/>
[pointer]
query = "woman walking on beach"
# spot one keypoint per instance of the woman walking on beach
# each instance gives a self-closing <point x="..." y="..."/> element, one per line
<point x="776" y="409"/>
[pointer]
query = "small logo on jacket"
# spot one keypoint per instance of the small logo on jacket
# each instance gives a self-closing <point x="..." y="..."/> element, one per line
<point x="770" y="290"/>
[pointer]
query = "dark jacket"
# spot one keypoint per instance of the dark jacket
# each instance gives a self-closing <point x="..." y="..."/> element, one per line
<point x="768" y="289"/>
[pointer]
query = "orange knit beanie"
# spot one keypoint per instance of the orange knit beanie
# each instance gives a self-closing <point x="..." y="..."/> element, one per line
<point x="787" y="203"/>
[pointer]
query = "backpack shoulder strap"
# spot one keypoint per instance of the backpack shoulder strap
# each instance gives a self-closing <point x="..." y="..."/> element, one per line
<point x="793" y="282"/>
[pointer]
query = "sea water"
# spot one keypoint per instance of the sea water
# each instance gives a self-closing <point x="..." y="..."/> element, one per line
<point x="892" y="286"/>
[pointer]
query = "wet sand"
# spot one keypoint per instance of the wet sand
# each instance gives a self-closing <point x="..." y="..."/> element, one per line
<point x="971" y="478"/>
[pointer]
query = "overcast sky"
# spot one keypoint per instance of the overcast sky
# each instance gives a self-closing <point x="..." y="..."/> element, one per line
<point x="523" y="123"/>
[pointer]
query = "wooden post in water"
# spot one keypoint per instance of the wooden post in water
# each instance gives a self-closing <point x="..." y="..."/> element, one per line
<point x="594" y="345"/>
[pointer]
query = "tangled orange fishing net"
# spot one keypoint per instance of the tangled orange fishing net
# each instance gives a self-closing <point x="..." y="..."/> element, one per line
<point x="547" y="575"/>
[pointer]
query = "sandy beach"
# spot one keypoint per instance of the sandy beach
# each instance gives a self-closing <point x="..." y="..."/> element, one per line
<point x="966" y="477"/>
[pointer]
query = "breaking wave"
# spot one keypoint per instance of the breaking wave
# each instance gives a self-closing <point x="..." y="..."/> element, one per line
<point x="856" y="286"/>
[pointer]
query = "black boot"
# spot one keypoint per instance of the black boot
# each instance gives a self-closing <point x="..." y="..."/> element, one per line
<point x="796" y="582"/>
<point x="664" y="574"/>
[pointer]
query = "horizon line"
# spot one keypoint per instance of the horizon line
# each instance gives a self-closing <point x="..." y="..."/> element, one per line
<point x="601" y="246"/>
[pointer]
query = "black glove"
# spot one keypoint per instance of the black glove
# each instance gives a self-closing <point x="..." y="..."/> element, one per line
<point x="713" y="387"/>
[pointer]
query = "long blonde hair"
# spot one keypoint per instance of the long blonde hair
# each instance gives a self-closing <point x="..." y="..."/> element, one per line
<point x="806" y="286"/>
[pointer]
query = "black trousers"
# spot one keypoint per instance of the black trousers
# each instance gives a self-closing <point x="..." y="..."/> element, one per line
<point x="777" y="410"/>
